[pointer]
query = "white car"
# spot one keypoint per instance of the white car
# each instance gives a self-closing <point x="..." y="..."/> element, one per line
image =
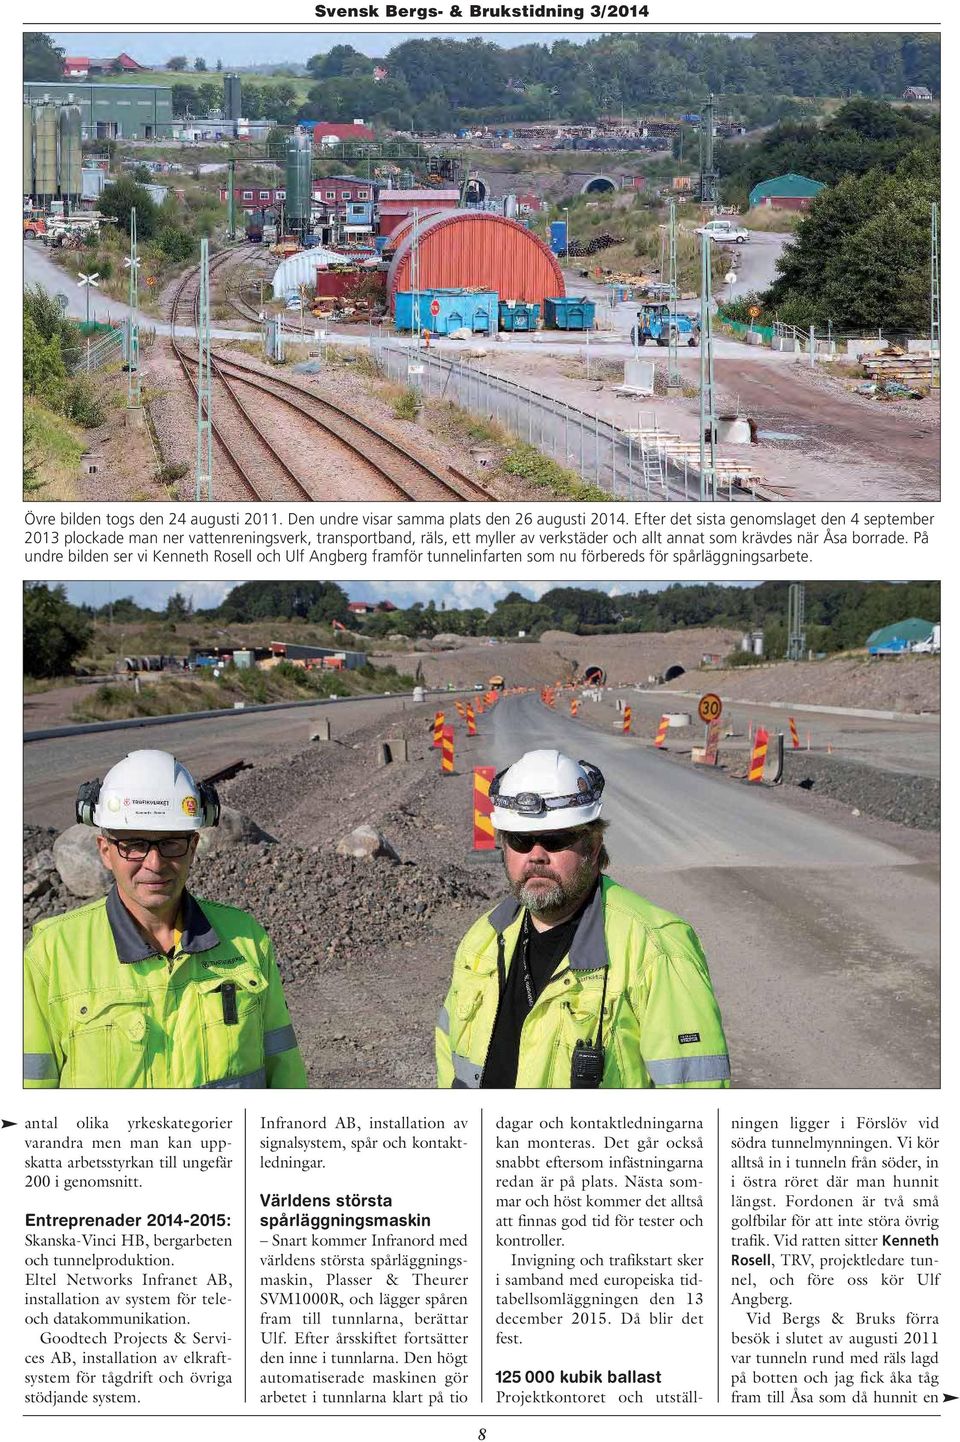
<point x="724" y="230"/>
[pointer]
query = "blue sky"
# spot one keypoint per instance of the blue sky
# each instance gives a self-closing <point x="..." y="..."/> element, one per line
<point x="458" y="595"/>
<point x="265" y="47"/>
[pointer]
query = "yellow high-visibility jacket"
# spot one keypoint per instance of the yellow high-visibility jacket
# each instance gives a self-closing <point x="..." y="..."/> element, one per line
<point x="661" y="1022"/>
<point x="103" y="1009"/>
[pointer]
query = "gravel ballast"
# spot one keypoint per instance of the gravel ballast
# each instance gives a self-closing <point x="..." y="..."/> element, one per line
<point x="887" y="795"/>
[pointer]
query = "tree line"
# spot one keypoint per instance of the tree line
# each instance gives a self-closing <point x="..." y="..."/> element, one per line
<point x="839" y="614"/>
<point x="860" y="259"/>
<point x="441" y="83"/>
<point x="444" y="83"/>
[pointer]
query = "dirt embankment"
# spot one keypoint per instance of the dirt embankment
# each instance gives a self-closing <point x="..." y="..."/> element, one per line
<point x="889" y="683"/>
<point x="558" y="655"/>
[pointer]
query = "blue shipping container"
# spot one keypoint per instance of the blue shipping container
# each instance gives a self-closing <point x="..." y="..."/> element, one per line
<point x="570" y="312"/>
<point x="475" y="310"/>
<point x="558" y="236"/>
<point x="521" y="316"/>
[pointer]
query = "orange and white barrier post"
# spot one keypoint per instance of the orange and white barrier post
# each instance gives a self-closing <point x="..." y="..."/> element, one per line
<point x="712" y="748"/>
<point x="794" y="737"/>
<point x="471" y="721"/>
<point x="438" y="723"/>
<point x="446" y="751"/>
<point x="627" y="720"/>
<point x="758" y="755"/>
<point x="662" y="730"/>
<point x="482" y="809"/>
<point x="574" y="708"/>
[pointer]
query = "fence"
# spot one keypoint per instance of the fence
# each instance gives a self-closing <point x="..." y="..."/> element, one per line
<point x="739" y="329"/>
<point x="634" y="464"/>
<point x="105" y="350"/>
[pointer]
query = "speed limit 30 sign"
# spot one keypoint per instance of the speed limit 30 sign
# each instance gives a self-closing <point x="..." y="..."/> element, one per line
<point x="710" y="708"/>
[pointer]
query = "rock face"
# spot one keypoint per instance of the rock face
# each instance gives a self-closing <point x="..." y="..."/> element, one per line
<point x="235" y="829"/>
<point x="78" y="861"/>
<point x="366" y="843"/>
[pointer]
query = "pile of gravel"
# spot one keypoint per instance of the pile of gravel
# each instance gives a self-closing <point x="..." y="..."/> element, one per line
<point x="328" y="913"/>
<point x="324" y="912"/>
<point x="44" y="894"/>
<point x="887" y="795"/>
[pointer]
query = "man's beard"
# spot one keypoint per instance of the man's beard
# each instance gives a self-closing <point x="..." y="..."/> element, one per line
<point x="559" y="898"/>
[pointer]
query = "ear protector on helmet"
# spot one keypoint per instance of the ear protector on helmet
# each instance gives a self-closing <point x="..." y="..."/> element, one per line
<point x="88" y="795"/>
<point x="209" y="803"/>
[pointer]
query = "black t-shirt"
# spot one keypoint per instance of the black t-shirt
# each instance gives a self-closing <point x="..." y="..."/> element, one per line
<point x="545" y="950"/>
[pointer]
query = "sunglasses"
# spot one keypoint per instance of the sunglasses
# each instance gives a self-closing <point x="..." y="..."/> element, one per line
<point x="524" y="841"/>
<point x="138" y="848"/>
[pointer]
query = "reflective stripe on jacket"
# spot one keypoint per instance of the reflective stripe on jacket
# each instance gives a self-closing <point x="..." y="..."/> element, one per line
<point x="103" y="1009"/>
<point x="661" y="1023"/>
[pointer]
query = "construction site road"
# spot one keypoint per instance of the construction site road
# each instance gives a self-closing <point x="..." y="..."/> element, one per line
<point x="906" y="744"/>
<point x="53" y="769"/>
<point x="834" y="423"/>
<point x="822" y="939"/>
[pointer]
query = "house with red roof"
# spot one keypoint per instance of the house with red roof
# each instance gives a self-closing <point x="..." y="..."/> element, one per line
<point x="76" y="67"/>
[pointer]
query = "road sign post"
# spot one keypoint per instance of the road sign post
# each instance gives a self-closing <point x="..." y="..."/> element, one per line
<point x="88" y="283"/>
<point x="710" y="709"/>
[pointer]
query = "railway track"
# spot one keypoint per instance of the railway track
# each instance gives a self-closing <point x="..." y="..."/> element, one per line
<point x="261" y="456"/>
<point x="262" y="471"/>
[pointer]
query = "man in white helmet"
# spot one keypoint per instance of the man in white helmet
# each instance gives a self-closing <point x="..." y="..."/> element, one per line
<point x="149" y="987"/>
<point x="574" y="981"/>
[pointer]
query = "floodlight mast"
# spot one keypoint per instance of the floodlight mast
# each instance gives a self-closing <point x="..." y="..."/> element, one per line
<point x="133" y="320"/>
<point x="708" y="410"/>
<point x="204" y="471"/>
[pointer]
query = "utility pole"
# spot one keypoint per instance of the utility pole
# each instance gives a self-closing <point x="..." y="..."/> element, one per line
<point x="204" y="473"/>
<point x="708" y="409"/>
<point x="231" y="199"/>
<point x="674" y="379"/>
<point x="934" y="296"/>
<point x="415" y="278"/>
<point x="796" y="635"/>
<point x="133" y="322"/>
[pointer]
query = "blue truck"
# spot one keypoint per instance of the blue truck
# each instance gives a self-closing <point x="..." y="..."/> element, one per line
<point x="654" y="322"/>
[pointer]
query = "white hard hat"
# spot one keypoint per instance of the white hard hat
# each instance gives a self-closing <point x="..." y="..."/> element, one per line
<point x="546" y="791"/>
<point x="148" y="791"/>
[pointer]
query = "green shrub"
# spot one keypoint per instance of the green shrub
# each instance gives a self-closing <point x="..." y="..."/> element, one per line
<point x="175" y="243"/>
<point x="407" y="405"/>
<point x="82" y="402"/>
<point x="531" y="465"/>
<point x="173" y="471"/>
<point x="252" y="682"/>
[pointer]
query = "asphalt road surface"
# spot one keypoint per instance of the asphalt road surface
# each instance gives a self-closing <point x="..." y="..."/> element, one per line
<point x="52" y="770"/>
<point x="908" y="744"/>
<point x="822" y="940"/>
